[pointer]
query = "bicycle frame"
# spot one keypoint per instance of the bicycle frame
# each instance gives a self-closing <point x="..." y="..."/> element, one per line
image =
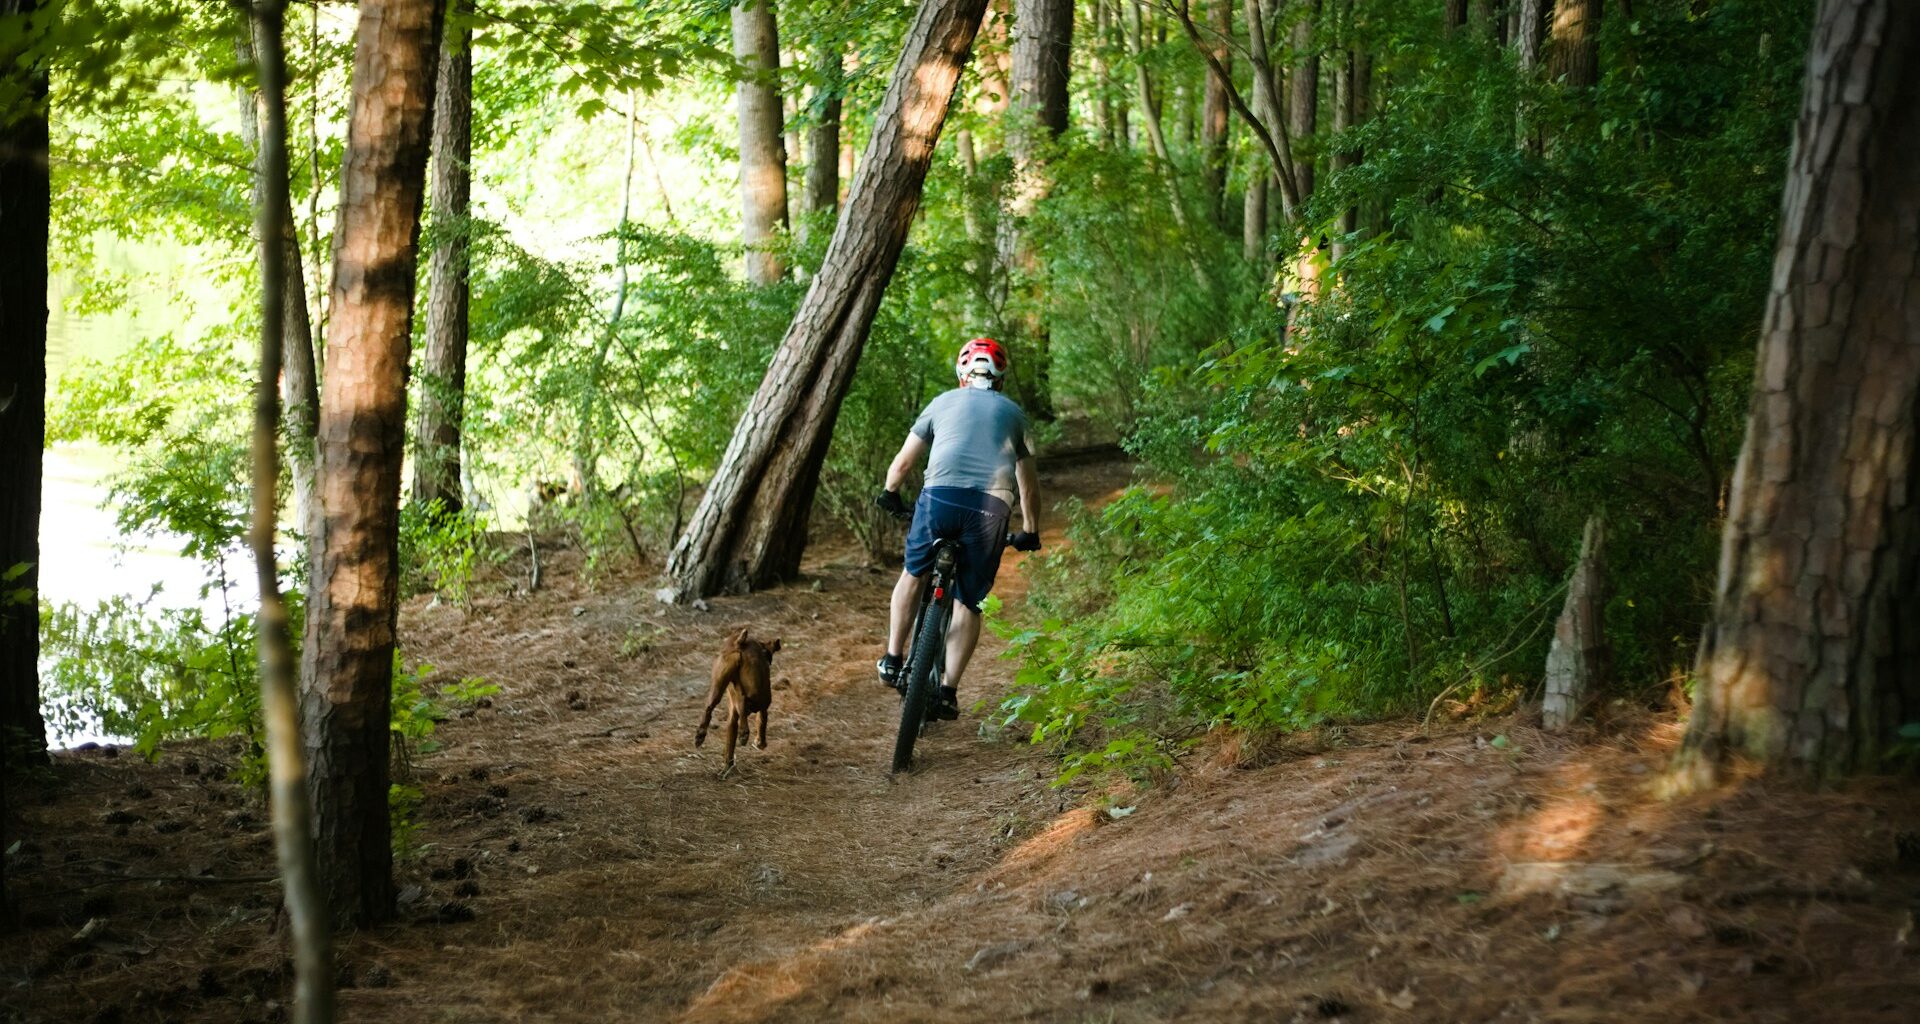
<point x="926" y="662"/>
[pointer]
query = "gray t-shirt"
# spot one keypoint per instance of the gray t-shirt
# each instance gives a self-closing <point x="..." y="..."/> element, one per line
<point x="976" y="435"/>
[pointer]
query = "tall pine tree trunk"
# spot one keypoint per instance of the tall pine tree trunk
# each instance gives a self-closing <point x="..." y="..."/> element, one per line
<point x="1213" y="107"/>
<point x="25" y="202"/>
<point x="279" y="676"/>
<point x="823" y="140"/>
<point x="751" y="526"/>
<point x="1575" y="50"/>
<point x="1042" y="48"/>
<point x="763" y="153"/>
<point x="347" y="661"/>
<point x="1303" y="99"/>
<point x="436" y="464"/>
<point x="1812" y="657"/>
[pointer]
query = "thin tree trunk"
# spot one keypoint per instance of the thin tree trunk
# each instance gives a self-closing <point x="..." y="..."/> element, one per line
<point x="994" y="66"/>
<point x="347" y="660"/>
<point x="763" y="155"/>
<point x="751" y="525"/>
<point x="1811" y="659"/>
<point x="1575" y="50"/>
<point x="436" y="463"/>
<point x="1102" y="78"/>
<point x="1346" y="109"/>
<point x="299" y="382"/>
<point x="279" y="684"/>
<point x="25" y="204"/>
<point x="823" y="140"/>
<point x="1456" y="14"/>
<point x="1156" y="132"/>
<point x="1253" y="219"/>
<point x="1213" y="110"/>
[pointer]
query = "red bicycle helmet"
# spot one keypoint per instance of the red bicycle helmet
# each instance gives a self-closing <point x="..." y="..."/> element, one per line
<point x="981" y="359"/>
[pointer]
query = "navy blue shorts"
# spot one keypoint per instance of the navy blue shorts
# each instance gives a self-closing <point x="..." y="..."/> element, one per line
<point x="976" y="519"/>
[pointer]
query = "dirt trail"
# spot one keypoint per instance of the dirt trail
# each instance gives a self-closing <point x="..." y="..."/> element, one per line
<point x="618" y="877"/>
<point x="579" y="860"/>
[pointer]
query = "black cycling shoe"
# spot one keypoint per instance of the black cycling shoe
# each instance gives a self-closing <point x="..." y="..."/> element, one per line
<point x="946" y="705"/>
<point x="889" y="667"/>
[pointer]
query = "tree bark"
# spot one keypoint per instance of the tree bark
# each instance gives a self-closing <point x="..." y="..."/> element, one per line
<point x="1529" y="28"/>
<point x="751" y="526"/>
<point x="1303" y="100"/>
<point x="1575" y="49"/>
<point x="1345" y="155"/>
<point x="1578" y="659"/>
<point x="313" y="995"/>
<point x="443" y="368"/>
<point x="299" y="380"/>
<point x="347" y="661"/>
<point x="1042" y="49"/>
<point x="1811" y="660"/>
<point x="1253" y="218"/>
<point x="25" y="204"/>
<point x="823" y="140"/>
<point x="1213" y="107"/>
<point x="763" y="154"/>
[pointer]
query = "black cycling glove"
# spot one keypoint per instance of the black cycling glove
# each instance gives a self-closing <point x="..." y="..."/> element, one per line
<point x="1025" y="541"/>
<point x="890" y="503"/>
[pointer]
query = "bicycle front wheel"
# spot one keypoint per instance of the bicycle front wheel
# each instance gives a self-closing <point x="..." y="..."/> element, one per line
<point x="917" y="694"/>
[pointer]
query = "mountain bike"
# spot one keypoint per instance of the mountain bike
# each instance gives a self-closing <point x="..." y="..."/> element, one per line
<point x="927" y="657"/>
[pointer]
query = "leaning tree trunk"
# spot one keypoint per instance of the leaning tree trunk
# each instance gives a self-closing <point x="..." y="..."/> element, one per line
<point x="1811" y="659"/>
<point x="1575" y="45"/>
<point x="25" y="201"/>
<point x="436" y="463"/>
<point x="763" y="152"/>
<point x="751" y="526"/>
<point x="347" y="661"/>
<point x="1042" y="48"/>
<point x="279" y="685"/>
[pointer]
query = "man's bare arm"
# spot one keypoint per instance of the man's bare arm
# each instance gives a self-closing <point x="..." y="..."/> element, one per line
<point x="904" y="462"/>
<point x="1029" y="495"/>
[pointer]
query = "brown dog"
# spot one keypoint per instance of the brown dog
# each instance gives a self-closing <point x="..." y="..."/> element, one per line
<point x="742" y="671"/>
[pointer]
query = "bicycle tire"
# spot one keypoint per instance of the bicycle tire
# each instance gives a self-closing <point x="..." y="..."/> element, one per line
<point x="917" y="692"/>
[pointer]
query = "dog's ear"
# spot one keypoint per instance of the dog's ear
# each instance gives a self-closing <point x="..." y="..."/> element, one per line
<point x="740" y="637"/>
<point x="774" y="645"/>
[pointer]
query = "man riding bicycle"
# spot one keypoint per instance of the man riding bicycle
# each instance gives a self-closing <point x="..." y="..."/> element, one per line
<point x="975" y="440"/>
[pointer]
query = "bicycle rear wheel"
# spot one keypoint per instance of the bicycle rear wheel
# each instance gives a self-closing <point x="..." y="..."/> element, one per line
<point x="917" y="692"/>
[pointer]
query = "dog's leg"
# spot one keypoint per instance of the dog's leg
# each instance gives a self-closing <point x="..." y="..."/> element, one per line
<point x="713" y="701"/>
<point x="761" y="742"/>
<point x="733" y="727"/>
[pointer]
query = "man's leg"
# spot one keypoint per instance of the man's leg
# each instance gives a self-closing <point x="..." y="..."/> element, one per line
<point x="906" y="594"/>
<point x="962" y="636"/>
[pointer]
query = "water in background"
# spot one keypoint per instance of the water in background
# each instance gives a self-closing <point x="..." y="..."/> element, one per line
<point x="83" y="557"/>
